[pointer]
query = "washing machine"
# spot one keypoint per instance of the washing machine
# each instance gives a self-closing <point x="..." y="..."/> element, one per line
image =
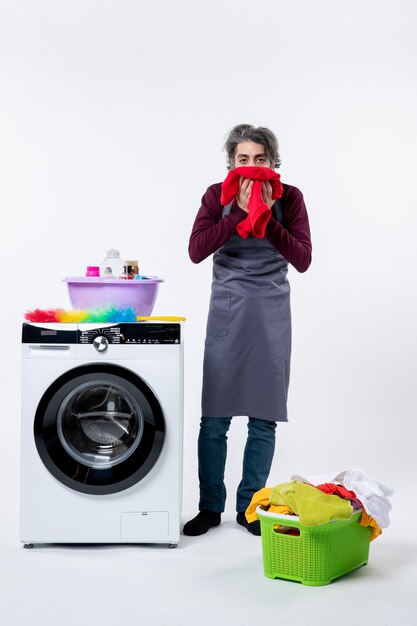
<point x="101" y="443"/>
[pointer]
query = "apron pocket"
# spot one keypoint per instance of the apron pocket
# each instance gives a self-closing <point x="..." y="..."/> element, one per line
<point x="219" y="314"/>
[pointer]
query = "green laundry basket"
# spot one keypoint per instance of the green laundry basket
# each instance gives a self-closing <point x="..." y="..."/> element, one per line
<point x="316" y="556"/>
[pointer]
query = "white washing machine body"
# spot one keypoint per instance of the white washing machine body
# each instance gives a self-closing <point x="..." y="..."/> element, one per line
<point x="102" y="424"/>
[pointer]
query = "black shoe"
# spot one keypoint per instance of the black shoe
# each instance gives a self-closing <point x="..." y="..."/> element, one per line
<point x="252" y="527"/>
<point x="201" y="523"/>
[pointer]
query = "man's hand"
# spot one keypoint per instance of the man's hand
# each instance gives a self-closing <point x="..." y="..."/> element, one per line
<point x="245" y="188"/>
<point x="267" y="194"/>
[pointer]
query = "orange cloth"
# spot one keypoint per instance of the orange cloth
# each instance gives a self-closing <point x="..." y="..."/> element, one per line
<point x="367" y="520"/>
<point x="259" y="213"/>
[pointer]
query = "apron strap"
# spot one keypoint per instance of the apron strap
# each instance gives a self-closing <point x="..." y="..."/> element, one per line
<point x="227" y="209"/>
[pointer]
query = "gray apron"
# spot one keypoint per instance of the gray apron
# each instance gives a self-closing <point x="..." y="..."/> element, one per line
<point x="248" y="342"/>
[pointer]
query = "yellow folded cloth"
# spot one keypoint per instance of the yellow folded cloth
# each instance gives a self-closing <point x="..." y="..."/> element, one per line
<point x="312" y="506"/>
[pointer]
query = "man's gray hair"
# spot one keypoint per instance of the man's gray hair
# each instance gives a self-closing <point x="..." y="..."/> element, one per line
<point x="247" y="132"/>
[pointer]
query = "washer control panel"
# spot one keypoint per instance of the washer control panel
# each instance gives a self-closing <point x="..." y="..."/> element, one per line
<point x="130" y="334"/>
<point x="101" y="336"/>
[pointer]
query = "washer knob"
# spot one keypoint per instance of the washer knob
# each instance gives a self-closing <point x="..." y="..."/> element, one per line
<point x="100" y="344"/>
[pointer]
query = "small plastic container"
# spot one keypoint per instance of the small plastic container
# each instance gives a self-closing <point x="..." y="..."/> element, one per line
<point x="134" y="265"/>
<point x="312" y="555"/>
<point x="92" y="270"/>
<point x="127" y="272"/>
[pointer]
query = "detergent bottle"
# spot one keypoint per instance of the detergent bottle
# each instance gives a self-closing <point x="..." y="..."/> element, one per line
<point x="112" y="266"/>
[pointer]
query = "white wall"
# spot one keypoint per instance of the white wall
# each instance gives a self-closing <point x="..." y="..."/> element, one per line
<point x="112" y="119"/>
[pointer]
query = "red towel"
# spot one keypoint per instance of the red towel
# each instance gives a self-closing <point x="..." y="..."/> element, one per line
<point x="338" y="490"/>
<point x="259" y="213"/>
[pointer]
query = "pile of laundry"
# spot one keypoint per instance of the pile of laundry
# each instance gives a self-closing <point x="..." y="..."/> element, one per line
<point x="322" y="498"/>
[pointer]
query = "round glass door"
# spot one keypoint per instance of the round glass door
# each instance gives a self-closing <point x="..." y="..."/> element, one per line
<point x="99" y="429"/>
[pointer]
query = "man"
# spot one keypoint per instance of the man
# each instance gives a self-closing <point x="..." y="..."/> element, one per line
<point x="248" y="342"/>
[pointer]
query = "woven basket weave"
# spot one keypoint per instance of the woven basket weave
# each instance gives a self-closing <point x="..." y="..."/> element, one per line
<point x="318" y="555"/>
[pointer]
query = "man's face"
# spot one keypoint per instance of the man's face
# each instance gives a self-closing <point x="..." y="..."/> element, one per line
<point x="249" y="153"/>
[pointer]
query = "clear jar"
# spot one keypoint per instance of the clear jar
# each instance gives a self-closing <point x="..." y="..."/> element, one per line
<point x="112" y="265"/>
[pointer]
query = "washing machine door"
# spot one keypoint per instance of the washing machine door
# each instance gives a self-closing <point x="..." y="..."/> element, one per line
<point x="99" y="428"/>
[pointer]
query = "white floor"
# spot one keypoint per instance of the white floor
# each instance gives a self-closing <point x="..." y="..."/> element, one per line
<point x="214" y="579"/>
